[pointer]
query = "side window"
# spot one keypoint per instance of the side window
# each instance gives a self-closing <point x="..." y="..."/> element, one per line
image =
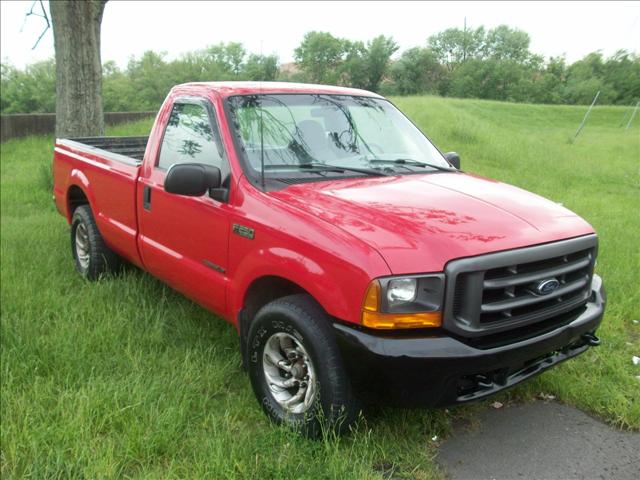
<point x="188" y="138"/>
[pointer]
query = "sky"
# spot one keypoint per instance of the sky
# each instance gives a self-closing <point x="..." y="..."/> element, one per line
<point x="129" y="28"/>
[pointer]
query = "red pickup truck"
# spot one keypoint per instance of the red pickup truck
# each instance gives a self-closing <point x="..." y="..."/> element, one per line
<point x="356" y="261"/>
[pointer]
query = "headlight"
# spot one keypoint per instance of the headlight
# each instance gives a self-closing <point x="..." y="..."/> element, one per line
<point x="402" y="290"/>
<point x="404" y="302"/>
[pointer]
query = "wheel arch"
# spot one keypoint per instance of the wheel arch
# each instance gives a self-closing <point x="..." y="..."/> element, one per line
<point x="78" y="193"/>
<point x="261" y="291"/>
<point x="265" y="289"/>
<point x="75" y="198"/>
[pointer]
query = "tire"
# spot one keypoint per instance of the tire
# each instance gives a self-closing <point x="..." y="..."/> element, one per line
<point x="298" y="325"/>
<point x="91" y="256"/>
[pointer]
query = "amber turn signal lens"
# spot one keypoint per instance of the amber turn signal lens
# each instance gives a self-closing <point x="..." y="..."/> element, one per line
<point x="401" y="320"/>
<point x="373" y="318"/>
<point x="372" y="298"/>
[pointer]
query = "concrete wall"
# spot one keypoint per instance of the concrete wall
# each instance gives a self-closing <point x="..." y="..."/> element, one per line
<point x="21" y="125"/>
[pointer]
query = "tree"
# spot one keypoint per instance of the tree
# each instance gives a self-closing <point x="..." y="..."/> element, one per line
<point x="493" y="79"/>
<point x="118" y="92"/>
<point x="549" y="84"/>
<point x="151" y="79"/>
<point x="319" y="55"/>
<point x="453" y="46"/>
<point x="418" y="71"/>
<point x="324" y="58"/>
<point x="30" y="90"/>
<point x="353" y="70"/>
<point x="76" y="32"/>
<point x="622" y="72"/>
<point x="505" y="43"/>
<point x="379" y="51"/>
<point x="261" y="67"/>
<point x="585" y="77"/>
<point x="235" y="54"/>
<point x="227" y="58"/>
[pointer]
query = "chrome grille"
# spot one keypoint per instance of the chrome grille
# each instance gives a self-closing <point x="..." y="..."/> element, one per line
<point x="497" y="292"/>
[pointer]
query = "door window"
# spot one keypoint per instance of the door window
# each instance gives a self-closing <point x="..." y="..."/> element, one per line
<point x="189" y="138"/>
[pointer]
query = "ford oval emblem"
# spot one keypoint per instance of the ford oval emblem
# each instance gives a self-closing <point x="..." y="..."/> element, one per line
<point x="545" y="287"/>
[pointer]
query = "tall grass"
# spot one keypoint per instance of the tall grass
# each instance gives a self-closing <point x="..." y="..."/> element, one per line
<point x="125" y="377"/>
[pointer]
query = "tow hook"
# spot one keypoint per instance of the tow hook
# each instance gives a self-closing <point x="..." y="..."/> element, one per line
<point x="591" y="340"/>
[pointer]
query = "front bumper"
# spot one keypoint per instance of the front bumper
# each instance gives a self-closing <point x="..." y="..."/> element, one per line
<point x="435" y="369"/>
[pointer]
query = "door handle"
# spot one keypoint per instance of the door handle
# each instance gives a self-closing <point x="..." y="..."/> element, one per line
<point x="146" y="198"/>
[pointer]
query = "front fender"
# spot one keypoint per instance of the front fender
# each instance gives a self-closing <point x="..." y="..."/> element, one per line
<point x="338" y="288"/>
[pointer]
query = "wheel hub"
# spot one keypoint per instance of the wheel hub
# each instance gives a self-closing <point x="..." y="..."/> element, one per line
<point x="82" y="245"/>
<point x="289" y="373"/>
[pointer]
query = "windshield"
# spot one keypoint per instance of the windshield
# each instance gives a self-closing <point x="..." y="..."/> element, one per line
<point x="302" y="135"/>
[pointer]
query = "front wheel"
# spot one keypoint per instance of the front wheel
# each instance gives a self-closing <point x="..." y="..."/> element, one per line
<point x="296" y="369"/>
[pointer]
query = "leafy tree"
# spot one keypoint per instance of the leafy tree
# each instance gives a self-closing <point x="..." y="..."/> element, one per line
<point x="234" y="54"/>
<point x="324" y="58"/>
<point x="319" y="55"/>
<point x="148" y="81"/>
<point x="418" y="71"/>
<point x="622" y="73"/>
<point x="353" y="70"/>
<point x="378" y="53"/>
<point x="31" y="90"/>
<point x="453" y="46"/>
<point x="219" y="62"/>
<point x="7" y="73"/>
<point x="586" y="77"/>
<point x="261" y="67"/>
<point x="506" y="43"/>
<point x="548" y="82"/>
<point x="118" y="93"/>
<point x="492" y="79"/>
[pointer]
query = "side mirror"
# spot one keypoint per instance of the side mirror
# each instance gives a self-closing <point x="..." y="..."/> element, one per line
<point x="192" y="179"/>
<point x="453" y="158"/>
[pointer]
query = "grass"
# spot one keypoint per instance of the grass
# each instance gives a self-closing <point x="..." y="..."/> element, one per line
<point x="126" y="378"/>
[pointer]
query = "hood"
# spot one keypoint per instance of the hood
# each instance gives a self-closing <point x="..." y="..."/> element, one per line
<point x="420" y="222"/>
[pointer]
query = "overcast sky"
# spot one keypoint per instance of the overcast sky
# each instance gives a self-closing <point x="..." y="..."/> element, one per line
<point x="129" y="28"/>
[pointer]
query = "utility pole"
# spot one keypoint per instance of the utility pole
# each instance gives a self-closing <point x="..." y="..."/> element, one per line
<point x="584" y="120"/>
<point x="464" y="41"/>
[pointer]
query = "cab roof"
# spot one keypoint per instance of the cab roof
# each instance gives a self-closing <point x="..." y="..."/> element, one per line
<point x="228" y="89"/>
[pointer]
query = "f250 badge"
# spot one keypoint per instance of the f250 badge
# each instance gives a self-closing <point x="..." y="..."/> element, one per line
<point x="243" y="231"/>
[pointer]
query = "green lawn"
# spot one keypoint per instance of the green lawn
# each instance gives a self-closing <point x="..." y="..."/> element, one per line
<point x="124" y="377"/>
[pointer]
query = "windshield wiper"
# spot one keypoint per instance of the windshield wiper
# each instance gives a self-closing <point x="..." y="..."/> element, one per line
<point x="408" y="161"/>
<point x="321" y="167"/>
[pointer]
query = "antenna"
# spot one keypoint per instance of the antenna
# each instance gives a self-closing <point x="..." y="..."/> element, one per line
<point x="261" y="141"/>
<point x="261" y="130"/>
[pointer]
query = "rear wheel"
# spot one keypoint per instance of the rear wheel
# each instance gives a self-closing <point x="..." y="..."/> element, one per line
<point x="296" y="369"/>
<point x="91" y="255"/>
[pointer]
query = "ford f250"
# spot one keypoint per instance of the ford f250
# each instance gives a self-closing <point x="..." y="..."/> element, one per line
<point x="356" y="261"/>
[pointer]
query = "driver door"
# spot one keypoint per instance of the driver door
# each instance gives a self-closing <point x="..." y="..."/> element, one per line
<point x="184" y="240"/>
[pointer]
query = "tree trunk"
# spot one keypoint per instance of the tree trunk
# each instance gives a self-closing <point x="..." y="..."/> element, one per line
<point x="76" y="33"/>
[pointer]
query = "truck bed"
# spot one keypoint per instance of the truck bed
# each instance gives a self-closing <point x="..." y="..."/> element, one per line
<point x="124" y="149"/>
<point x="105" y="169"/>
